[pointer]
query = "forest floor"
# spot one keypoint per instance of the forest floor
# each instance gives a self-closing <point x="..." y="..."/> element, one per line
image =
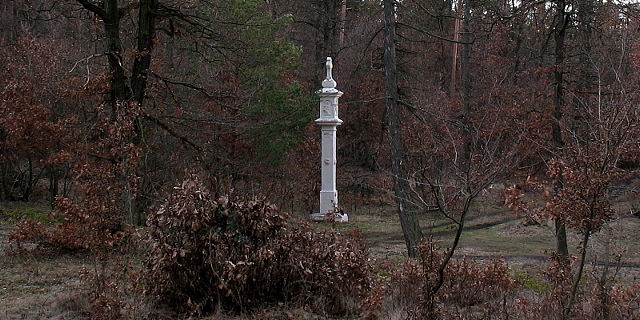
<point x="51" y="287"/>
<point x="494" y="232"/>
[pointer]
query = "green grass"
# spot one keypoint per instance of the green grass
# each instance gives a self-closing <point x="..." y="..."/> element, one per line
<point x="528" y="282"/>
<point x="27" y="213"/>
<point x="494" y="239"/>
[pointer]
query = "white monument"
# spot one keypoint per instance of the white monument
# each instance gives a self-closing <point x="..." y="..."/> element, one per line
<point x="328" y="122"/>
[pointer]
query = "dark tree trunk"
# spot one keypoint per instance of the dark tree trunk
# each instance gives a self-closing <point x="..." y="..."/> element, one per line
<point x="343" y="22"/>
<point x="146" y="33"/>
<point x="586" y="81"/>
<point x="139" y="78"/>
<point x="456" y="39"/>
<point x="3" y="181"/>
<point x="466" y="89"/>
<point x="328" y="28"/>
<point x="580" y="130"/>
<point x="123" y="88"/>
<point x="53" y="186"/>
<point x="120" y="91"/>
<point x="407" y="210"/>
<point x="4" y="171"/>
<point x="559" y="33"/>
<point x="26" y="192"/>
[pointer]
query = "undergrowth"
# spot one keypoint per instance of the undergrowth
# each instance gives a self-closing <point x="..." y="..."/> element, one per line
<point x="210" y="254"/>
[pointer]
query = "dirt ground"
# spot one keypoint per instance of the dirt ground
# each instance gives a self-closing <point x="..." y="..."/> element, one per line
<point x="42" y="287"/>
<point x="51" y="287"/>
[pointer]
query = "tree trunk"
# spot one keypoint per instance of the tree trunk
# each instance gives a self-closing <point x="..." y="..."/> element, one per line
<point x="466" y="90"/>
<point x="406" y="207"/>
<point x="343" y="22"/>
<point x="53" y="186"/>
<point x="560" y="28"/>
<point x="456" y="39"/>
<point x="3" y="191"/>
<point x="320" y="43"/>
<point x="328" y="25"/>
<point x="586" y="80"/>
<point x="3" y="179"/>
<point x="26" y="192"/>
<point x="120" y="91"/>
<point x="139" y="76"/>
<point x="146" y="33"/>
<point x="580" y="130"/>
<point x="124" y="89"/>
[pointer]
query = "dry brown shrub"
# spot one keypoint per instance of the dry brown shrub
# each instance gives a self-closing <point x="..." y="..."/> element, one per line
<point x="397" y="296"/>
<point x="93" y="219"/>
<point x="471" y="290"/>
<point x="28" y="236"/>
<point x="232" y="254"/>
<point x="593" y="300"/>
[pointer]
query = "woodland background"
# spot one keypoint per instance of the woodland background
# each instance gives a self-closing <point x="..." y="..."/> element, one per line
<point x="155" y="130"/>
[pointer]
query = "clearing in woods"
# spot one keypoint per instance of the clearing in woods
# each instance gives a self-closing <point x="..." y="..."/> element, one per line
<point x="50" y="286"/>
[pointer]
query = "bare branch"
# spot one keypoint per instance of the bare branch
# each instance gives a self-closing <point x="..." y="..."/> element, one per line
<point x="95" y="8"/>
<point x="171" y="131"/>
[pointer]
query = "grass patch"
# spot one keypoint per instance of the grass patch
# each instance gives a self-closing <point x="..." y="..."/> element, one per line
<point x="30" y="214"/>
<point x="442" y="228"/>
<point x="528" y="282"/>
<point x="27" y="213"/>
<point x="496" y="240"/>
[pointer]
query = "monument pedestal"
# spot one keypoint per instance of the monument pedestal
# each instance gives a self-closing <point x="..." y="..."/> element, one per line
<point x="328" y="123"/>
<point x="338" y="217"/>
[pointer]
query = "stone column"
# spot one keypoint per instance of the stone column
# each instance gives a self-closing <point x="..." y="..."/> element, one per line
<point x="328" y="122"/>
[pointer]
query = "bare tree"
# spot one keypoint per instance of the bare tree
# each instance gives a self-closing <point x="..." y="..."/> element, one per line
<point x="407" y="209"/>
<point x="558" y="104"/>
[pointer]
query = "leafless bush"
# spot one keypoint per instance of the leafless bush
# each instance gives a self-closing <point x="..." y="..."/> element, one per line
<point x="470" y="291"/>
<point x="208" y="254"/>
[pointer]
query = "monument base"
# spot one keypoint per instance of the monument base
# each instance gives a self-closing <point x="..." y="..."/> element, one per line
<point x="338" y="217"/>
